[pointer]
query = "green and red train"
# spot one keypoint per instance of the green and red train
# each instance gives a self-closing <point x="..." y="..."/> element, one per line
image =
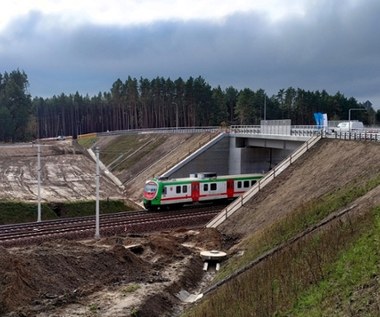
<point x="162" y="192"/>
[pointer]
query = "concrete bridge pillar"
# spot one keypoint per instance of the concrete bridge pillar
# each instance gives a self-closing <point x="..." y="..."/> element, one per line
<point x="234" y="162"/>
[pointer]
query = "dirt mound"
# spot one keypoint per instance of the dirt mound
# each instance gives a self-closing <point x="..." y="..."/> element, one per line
<point x="167" y="246"/>
<point x="61" y="270"/>
<point x="124" y="255"/>
<point x="208" y="239"/>
<point x="45" y="280"/>
<point x="165" y="303"/>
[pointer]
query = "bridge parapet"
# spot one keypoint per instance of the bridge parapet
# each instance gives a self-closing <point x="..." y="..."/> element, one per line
<point x="305" y="130"/>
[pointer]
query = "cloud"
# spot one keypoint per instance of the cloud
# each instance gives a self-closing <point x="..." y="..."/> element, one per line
<point x="328" y="45"/>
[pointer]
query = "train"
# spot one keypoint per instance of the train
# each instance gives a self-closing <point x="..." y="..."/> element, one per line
<point x="206" y="187"/>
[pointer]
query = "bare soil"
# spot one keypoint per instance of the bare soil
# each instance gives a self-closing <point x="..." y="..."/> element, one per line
<point x="66" y="174"/>
<point x="104" y="277"/>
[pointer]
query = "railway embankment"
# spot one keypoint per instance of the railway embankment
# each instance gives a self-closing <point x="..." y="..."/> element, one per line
<point x="67" y="174"/>
<point x="68" y="171"/>
<point x="135" y="158"/>
<point x="299" y="245"/>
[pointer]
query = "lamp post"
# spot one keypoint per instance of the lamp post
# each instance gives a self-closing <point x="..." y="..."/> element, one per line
<point x="349" y="116"/>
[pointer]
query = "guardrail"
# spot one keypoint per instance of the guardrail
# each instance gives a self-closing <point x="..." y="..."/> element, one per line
<point x="163" y="130"/>
<point x="368" y="134"/>
<point x="240" y="201"/>
<point x="358" y="136"/>
<point x="372" y="134"/>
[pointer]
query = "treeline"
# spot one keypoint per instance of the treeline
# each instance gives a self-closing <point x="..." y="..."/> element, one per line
<point x="143" y="103"/>
<point x="17" y="121"/>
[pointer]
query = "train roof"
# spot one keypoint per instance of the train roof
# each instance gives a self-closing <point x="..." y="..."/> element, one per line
<point x="207" y="176"/>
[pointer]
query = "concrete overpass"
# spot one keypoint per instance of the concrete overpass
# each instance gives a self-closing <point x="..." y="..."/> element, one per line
<point x="245" y="149"/>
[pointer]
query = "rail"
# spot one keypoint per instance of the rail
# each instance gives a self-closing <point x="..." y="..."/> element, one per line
<point x="240" y="201"/>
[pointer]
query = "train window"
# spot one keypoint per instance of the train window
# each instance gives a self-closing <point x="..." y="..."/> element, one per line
<point x="205" y="187"/>
<point x="184" y="189"/>
<point x="246" y="184"/>
<point x="178" y="189"/>
<point x="151" y="188"/>
<point x="239" y="184"/>
<point x="253" y="182"/>
<point x="213" y="186"/>
<point x="164" y="190"/>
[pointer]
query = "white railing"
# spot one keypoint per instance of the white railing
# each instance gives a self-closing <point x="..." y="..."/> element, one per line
<point x="240" y="201"/>
<point x="305" y="130"/>
<point x="358" y="136"/>
<point x="163" y="130"/>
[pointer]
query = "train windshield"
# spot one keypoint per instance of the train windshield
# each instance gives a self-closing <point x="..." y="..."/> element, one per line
<point x="151" y="187"/>
<point x="150" y="190"/>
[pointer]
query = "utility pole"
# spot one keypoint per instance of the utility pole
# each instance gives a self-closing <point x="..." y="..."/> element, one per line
<point x="97" y="231"/>
<point x="39" y="181"/>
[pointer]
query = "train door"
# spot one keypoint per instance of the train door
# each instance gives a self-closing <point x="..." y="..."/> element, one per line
<point x="230" y="188"/>
<point x="195" y="191"/>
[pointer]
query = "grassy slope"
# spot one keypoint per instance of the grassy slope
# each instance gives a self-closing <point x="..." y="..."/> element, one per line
<point x="19" y="212"/>
<point x="352" y="285"/>
<point x="283" y="280"/>
<point x="126" y="150"/>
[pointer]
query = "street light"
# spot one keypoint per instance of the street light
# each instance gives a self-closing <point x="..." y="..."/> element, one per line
<point x="349" y="116"/>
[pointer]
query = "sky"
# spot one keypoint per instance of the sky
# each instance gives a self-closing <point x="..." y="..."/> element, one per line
<point x="65" y="46"/>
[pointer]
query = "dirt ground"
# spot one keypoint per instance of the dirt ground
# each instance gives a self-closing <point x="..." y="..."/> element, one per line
<point x="119" y="276"/>
<point x="66" y="174"/>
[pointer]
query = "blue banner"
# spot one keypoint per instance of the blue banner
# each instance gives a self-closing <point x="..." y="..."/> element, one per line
<point x="318" y="117"/>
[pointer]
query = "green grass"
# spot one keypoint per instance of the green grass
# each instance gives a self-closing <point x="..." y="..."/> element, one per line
<point x="303" y="217"/>
<point x="318" y="275"/>
<point x="131" y="288"/>
<point x="87" y="142"/>
<point x="349" y="287"/>
<point x="125" y="151"/>
<point x="87" y="208"/>
<point x="19" y="212"/>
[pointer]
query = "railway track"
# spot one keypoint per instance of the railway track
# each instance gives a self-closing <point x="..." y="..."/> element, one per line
<point x="110" y="224"/>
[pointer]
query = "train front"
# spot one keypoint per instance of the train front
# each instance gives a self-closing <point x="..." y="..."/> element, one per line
<point x="151" y="198"/>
